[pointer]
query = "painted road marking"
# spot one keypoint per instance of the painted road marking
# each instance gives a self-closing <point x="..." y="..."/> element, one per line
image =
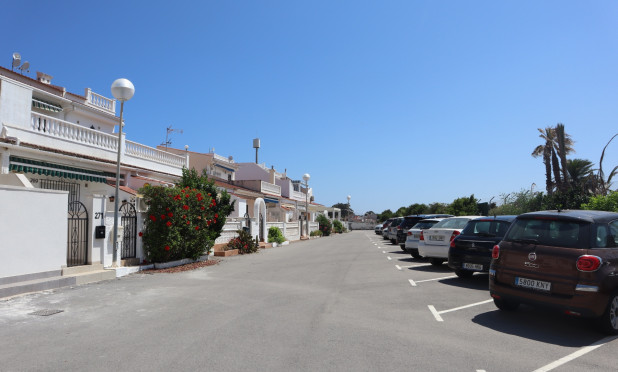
<point x="430" y="280"/>
<point x="436" y="314"/>
<point x="389" y="258"/>
<point x="409" y="266"/>
<point x="412" y="282"/>
<point x="383" y="251"/>
<point x="577" y="354"/>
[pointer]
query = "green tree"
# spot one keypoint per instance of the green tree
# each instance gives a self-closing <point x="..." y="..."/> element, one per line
<point x="517" y="203"/>
<point x="546" y="150"/>
<point x="603" y="183"/>
<point x="603" y="202"/>
<point x="385" y="215"/>
<point x="581" y="174"/>
<point x="464" y="206"/>
<point x="345" y="210"/>
<point x="325" y="226"/>
<point x="401" y="212"/>
<point x="437" y="208"/>
<point x="417" y="209"/>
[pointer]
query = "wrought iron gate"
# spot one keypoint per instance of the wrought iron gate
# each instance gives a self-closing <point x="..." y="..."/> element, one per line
<point x="77" y="242"/>
<point x="129" y="224"/>
<point x="261" y="227"/>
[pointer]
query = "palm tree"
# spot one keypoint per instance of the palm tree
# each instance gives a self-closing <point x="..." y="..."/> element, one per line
<point x="546" y="150"/>
<point x="604" y="184"/>
<point x="564" y="146"/>
<point x="581" y="174"/>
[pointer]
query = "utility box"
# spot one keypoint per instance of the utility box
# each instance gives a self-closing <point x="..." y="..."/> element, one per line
<point x="99" y="232"/>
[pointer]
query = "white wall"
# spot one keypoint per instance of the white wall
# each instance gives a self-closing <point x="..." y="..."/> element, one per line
<point x="33" y="230"/>
<point x="251" y="171"/>
<point x="15" y="103"/>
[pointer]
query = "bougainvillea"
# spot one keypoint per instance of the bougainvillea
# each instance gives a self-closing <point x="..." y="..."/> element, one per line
<point x="243" y="242"/>
<point x="183" y="221"/>
<point x="325" y="225"/>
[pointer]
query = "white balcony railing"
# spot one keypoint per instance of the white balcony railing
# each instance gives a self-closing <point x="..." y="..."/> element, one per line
<point x="72" y="132"/>
<point x="82" y="140"/>
<point x="270" y="188"/>
<point x="150" y="153"/>
<point x="101" y="102"/>
<point x="223" y="159"/>
<point x="297" y="195"/>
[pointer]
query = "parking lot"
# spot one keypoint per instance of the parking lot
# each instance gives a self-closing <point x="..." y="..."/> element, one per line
<point x="527" y="339"/>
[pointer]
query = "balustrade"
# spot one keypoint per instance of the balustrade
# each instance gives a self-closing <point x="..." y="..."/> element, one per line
<point x="63" y="129"/>
<point x="150" y="153"/>
<point x="100" y="101"/>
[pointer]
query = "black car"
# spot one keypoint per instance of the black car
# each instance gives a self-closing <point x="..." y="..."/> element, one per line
<point x="471" y="250"/>
<point x="409" y="222"/>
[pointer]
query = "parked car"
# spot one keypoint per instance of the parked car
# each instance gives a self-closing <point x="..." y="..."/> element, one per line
<point x="409" y="222"/>
<point x="378" y="229"/>
<point x="565" y="260"/>
<point x="436" y="240"/>
<point x="392" y="229"/>
<point x="385" y="226"/>
<point x="414" y="235"/>
<point x="470" y="251"/>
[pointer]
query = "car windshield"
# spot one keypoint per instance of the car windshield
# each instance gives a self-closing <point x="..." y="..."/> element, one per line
<point x="488" y="228"/>
<point x="559" y="233"/>
<point x="452" y="223"/>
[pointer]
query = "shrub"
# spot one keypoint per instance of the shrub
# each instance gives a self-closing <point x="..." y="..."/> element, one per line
<point x="243" y="242"/>
<point x="603" y="203"/>
<point x="183" y="221"/>
<point x="275" y="235"/>
<point x="325" y="225"/>
<point x="316" y="233"/>
<point x="338" y="226"/>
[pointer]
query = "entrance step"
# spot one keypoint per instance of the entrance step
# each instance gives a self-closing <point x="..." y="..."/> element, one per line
<point x="75" y="270"/>
<point x="54" y="282"/>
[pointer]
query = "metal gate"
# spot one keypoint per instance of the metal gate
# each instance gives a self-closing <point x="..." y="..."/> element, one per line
<point x="261" y="227"/>
<point x="129" y="224"/>
<point x="77" y="234"/>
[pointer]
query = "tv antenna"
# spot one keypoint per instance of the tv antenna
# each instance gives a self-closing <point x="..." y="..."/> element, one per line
<point x="17" y="61"/>
<point x="168" y="139"/>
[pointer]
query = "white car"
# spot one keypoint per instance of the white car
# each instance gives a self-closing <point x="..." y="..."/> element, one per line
<point x="378" y="229"/>
<point x="436" y="241"/>
<point x="414" y="234"/>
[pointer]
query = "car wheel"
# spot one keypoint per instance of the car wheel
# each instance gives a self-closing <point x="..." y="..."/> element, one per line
<point x="463" y="273"/>
<point x="436" y="261"/>
<point x="609" y="320"/>
<point x="393" y="241"/>
<point x="415" y="255"/>
<point x="505" y="305"/>
<point x="403" y="247"/>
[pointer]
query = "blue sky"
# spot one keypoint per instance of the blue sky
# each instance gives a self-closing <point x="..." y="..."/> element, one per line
<point x="391" y="102"/>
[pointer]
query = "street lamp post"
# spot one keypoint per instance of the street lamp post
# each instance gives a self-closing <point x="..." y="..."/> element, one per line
<point x="122" y="90"/>
<point x="348" y="212"/>
<point x="306" y="177"/>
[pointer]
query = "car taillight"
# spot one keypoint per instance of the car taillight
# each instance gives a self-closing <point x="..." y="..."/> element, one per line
<point x="455" y="233"/>
<point x="453" y="243"/>
<point x="409" y="232"/>
<point x="495" y="252"/>
<point x="589" y="263"/>
<point x="398" y="227"/>
<point x="421" y="237"/>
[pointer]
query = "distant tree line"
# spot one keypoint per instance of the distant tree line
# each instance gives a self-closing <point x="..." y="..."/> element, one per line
<point x="569" y="184"/>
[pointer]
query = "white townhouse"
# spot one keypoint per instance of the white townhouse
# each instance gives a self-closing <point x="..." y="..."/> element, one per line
<point x="58" y="156"/>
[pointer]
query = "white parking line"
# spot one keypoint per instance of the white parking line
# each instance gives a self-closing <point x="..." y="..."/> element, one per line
<point x="408" y="266"/>
<point x="431" y="280"/>
<point x="389" y="258"/>
<point x="576" y="354"/>
<point x="436" y="314"/>
<point x="383" y="251"/>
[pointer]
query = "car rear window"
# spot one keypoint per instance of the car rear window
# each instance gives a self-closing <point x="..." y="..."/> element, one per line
<point x="424" y="224"/>
<point x="452" y="223"/>
<point x="558" y="233"/>
<point x="488" y="228"/>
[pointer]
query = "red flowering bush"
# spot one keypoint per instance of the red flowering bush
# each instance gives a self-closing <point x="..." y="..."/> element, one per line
<point x="325" y="225"/>
<point x="243" y="242"/>
<point x="183" y="221"/>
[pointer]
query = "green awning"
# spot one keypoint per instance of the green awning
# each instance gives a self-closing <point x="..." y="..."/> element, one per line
<point x="37" y="103"/>
<point x="17" y="164"/>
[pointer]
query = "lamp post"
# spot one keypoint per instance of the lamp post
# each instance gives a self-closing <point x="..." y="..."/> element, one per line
<point x="306" y="177"/>
<point x="348" y="212"/>
<point x="122" y="90"/>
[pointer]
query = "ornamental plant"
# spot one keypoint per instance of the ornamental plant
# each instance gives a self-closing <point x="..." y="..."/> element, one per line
<point x="183" y="221"/>
<point x="325" y="225"/>
<point x="315" y="233"/>
<point x="243" y="242"/>
<point x="275" y="235"/>
<point x="338" y="226"/>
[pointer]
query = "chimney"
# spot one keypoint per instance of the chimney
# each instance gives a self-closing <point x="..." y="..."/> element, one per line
<point x="272" y="175"/>
<point x="43" y="77"/>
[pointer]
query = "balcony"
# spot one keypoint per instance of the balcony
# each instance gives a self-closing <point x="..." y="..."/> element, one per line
<point x="98" y="101"/>
<point x="297" y="195"/>
<point x="46" y="131"/>
<point x="269" y="188"/>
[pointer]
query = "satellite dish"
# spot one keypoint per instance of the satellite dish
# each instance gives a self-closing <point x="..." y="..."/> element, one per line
<point x="16" y="59"/>
<point x="25" y="66"/>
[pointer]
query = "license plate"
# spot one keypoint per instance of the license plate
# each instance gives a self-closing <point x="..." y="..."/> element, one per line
<point x="436" y="237"/>
<point x="533" y="284"/>
<point x="416" y="236"/>
<point x="470" y="266"/>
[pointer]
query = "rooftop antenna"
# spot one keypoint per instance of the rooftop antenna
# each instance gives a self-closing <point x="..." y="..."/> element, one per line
<point x="256" y="146"/>
<point x="168" y="140"/>
<point x="25" y="66"/>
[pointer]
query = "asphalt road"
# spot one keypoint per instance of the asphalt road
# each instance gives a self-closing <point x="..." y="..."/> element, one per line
<point x="349" y="302"/>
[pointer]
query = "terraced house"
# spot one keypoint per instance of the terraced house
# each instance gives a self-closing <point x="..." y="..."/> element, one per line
<point x="58" y="154"/>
